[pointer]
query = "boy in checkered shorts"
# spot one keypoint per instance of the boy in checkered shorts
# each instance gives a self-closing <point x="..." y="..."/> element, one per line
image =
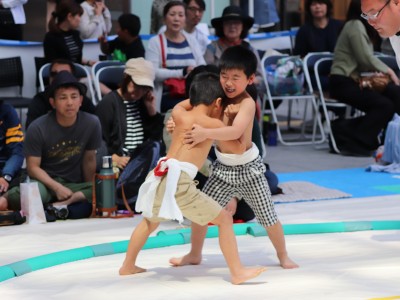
<point x="238" y="171"/>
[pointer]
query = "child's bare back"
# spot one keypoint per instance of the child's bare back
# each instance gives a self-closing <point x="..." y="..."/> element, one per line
<point x="184" y="121"/>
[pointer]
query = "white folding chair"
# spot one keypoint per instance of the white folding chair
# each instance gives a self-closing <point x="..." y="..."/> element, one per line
<point x="305" y="97"/>
<point x="110" y="75"/>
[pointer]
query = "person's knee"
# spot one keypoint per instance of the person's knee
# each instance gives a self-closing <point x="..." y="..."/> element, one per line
<point x="223" y="218"/>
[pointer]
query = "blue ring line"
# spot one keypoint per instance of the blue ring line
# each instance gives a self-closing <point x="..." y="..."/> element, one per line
<point x="179" y="237"/>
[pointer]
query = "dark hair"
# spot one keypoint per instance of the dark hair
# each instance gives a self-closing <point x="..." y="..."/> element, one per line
<point x="239" y="57"/>
<point x="171" y="4"/>
<point x="62" y="61"/>
<point x="200" y="3"/>
<point x="354" y="13"/>
<point x="131" y="23"/>
<point x="63" y="9"/>
<point x="205" y="89"/>
<point x="309" y="17"/>
<point x="197" y="70"/>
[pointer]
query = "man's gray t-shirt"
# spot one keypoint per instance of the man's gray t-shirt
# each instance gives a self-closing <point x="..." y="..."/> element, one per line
<point x="62" y="148"/>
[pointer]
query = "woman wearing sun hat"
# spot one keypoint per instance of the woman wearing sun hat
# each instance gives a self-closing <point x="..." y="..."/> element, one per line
<point x="231" y="29"/>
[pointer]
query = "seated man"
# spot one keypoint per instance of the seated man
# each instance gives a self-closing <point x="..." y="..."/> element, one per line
<point x="40" y="104"/>
<point x="60" y="150"/>
<point x="11" y="144"/>
<point x="128" y="44"/>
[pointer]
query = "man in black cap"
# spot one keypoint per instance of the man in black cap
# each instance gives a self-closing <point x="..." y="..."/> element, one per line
<point x="60" y="150"/>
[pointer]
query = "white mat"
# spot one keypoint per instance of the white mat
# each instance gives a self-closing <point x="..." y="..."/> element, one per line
<point x="294" y="191"/>
<point x="357" y="265"/>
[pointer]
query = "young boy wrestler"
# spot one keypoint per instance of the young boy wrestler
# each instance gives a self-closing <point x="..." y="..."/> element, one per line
<point x="238" y="171"/>
<point x="159" y="191"/>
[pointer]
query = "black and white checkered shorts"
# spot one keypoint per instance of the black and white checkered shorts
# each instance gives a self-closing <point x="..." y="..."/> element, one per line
<point x="245" y="182"/>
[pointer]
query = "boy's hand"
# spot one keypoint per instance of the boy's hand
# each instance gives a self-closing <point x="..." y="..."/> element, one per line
<point x="170" y="125"/>
<point x="195" y="136"/>
<point x="231" y="111"/>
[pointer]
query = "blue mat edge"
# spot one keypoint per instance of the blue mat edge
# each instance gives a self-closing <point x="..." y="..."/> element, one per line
<point x="355" y="181"/>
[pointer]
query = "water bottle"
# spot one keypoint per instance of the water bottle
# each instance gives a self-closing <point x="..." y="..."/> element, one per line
<point x="105" y="186"/>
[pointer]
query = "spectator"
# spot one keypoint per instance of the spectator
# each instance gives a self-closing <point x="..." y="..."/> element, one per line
<point x="60" y="150"/>
<point x="128" y="44"/>
<point x="157" y="19"/>
<point x="199" y="31"/>
<point x="231" y="29"/>
<point x="12" y="18"/>
<point x="384" y="17"/>
<point x="40" y="104"/>
<point x="320" y="32"/>
<point x="11" y="155"/>
<point x="63" y="40"/>
<point x="128" y="115"/>
<point x="265" y="14"/>
<point x="182" y="53"/>
<point x="194" y="13"/>
<point x="96" y="19"/>
<point x="354" y="54"/>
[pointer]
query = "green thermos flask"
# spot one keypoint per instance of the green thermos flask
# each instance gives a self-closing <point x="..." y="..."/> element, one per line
<point x="105" y="186"/>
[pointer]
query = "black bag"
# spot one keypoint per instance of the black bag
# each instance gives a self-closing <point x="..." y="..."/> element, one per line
<point x="9" y="217"/>
<point x="143" y="161"/>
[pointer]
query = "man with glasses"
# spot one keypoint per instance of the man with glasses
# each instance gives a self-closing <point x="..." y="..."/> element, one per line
<point x="384" y="16"/>
<point x="40" y="104"/>
<point x="194" y="13"/>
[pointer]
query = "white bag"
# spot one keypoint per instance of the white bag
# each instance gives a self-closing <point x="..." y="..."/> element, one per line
<point x="31" y="203"/>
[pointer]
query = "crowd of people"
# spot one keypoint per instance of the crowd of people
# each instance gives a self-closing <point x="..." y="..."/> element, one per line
<point x="66" y="134"/>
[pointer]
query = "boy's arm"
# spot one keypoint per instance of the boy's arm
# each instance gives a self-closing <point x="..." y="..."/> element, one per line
<point x="180" y="107"/>
<point x="242" y="120"/>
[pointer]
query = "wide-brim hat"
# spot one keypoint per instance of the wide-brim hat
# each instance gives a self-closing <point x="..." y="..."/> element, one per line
<point x="141" y="71"/>
<point x="66" y="79"/>
<point x="233" y="12"/>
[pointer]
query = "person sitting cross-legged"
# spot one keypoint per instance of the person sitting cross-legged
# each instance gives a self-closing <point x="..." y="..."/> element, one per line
<point x="60" y="150"/>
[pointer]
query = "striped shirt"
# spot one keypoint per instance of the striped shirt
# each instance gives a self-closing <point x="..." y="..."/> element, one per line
<point x="134" y="127"/>
<point x="179" y="55"/>
<point x="73" y="48"/>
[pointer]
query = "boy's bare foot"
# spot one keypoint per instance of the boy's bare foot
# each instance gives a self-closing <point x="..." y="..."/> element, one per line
<point x="188" y="259"/>
<point x="247" y="274"/>
<point x="286" y="262"/>
<point x="124" y="270"/>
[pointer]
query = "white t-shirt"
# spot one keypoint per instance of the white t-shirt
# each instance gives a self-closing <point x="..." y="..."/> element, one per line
<point x="395" y="41"/>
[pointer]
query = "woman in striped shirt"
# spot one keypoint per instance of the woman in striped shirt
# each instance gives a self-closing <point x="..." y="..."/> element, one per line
<point x="180" y="52"/>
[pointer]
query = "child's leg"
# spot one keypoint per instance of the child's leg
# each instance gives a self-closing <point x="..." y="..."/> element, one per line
<point x="136" y="243"/>
<point x="275" y="234"/>
<point x="227" y="241"/>
<point x="197" y="241"/>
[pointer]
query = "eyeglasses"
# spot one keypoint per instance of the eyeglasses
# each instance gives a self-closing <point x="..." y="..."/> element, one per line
<point x="195" y="9"/>
<point x="374" y="16"/>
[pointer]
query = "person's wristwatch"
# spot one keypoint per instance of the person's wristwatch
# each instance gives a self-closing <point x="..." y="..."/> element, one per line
<point x="7" y="177"/>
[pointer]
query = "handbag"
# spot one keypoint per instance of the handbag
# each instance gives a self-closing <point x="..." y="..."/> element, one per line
<point x="176" y="86"/>
<point x="31" y="203"/>
<point x="374" y="81"/>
